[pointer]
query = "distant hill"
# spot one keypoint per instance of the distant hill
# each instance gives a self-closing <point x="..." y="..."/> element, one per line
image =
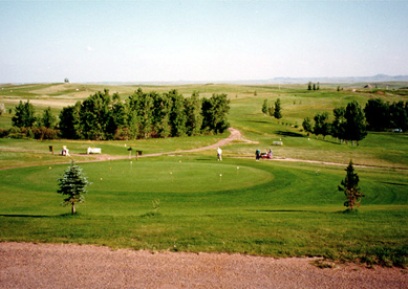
<point x="347" y="79"/>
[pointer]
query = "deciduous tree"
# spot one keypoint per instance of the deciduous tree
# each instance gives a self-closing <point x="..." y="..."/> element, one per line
<point x="377" y="114"/>
<point x="69" y="122"/>
<point x="322" y="125"/>
<point x="48" y="119"/>
<point x="355" y="127"/>
<point x="24" y="115"/>
<point x="307" y="125"/>
<point x="215" y="112"/>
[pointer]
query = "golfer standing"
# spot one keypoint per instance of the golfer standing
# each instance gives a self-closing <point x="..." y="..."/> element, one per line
<point x="219" y="154"/>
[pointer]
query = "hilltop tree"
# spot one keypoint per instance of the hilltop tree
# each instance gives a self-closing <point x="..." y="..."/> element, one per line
<point x="72" y="185"/>
<point x="350" y="188"/>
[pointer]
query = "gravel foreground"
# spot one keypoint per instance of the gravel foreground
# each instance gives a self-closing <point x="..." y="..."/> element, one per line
<point x="27" y="265"/>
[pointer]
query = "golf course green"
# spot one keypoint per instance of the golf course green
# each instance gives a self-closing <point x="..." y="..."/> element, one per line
<point x="179" y="199"/>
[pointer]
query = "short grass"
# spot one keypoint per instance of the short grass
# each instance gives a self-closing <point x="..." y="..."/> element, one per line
<point x="190" y="202"/>
<point x="241" y="206"/>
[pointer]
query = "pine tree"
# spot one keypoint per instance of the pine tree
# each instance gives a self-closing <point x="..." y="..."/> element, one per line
<point x="72" y="186"/>
<point x="350" y="188"/>
<point x="278" y="110"/>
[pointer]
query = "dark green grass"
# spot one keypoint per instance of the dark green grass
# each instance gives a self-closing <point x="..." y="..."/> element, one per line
<point x="263" y="208"/>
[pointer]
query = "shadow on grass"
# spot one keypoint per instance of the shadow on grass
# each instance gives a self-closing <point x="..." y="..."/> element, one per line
<point x="289" y="133"/>
<point x="283" y="211"/>
<point x="65" y="215"/>
<point x="25" y="216"/>
<point x="260" y="121"/>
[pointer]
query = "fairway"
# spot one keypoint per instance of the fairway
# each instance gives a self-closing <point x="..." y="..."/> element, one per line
<point x="178" y="197"/>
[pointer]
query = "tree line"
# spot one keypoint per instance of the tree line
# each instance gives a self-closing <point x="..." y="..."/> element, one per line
<point x="142" y="115"/>
<point x="382" y="116"/>
<point x="351" y="123"/>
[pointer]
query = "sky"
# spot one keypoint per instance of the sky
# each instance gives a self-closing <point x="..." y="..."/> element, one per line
<point x="208" y="40"/>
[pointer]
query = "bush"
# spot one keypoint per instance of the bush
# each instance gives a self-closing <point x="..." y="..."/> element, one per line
<point x="45" y="133"/>
<point x="4" y="133"/>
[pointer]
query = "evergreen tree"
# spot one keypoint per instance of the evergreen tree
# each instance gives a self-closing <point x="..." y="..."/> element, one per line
<point x="350" y="188"/>
<point x="72" y="185"/>
<point x="277" y="113"/>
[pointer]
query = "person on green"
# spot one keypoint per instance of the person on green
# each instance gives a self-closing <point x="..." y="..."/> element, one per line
<point x="257" y="154"/>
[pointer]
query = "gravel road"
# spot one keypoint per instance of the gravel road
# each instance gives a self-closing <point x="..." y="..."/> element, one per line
<point x="27" y="265"/>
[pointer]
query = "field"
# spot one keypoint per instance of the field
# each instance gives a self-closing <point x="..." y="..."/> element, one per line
<point x="180" y="200"/>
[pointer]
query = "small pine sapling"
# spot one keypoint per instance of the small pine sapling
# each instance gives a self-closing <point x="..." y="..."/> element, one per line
<point x="350" y="188"/>
<point x="72" y="185"/>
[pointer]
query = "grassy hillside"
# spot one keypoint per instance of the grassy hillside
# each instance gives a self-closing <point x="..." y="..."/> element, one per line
<point x="288" y="206"/>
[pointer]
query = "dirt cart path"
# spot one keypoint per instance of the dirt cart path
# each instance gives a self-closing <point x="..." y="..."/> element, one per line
<point x="26" y="265"/>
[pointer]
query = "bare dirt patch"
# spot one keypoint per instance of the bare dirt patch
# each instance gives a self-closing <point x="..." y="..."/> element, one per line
<point x="26" y="265"/>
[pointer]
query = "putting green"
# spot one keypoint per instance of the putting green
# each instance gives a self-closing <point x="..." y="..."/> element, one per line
<point x="176" y="176"/>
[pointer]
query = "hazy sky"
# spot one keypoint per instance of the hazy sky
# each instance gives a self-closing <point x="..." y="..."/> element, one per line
<point x="92" y="41"/>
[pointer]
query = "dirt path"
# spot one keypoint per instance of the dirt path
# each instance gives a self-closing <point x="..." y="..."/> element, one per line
<point x="26" y="265"/>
